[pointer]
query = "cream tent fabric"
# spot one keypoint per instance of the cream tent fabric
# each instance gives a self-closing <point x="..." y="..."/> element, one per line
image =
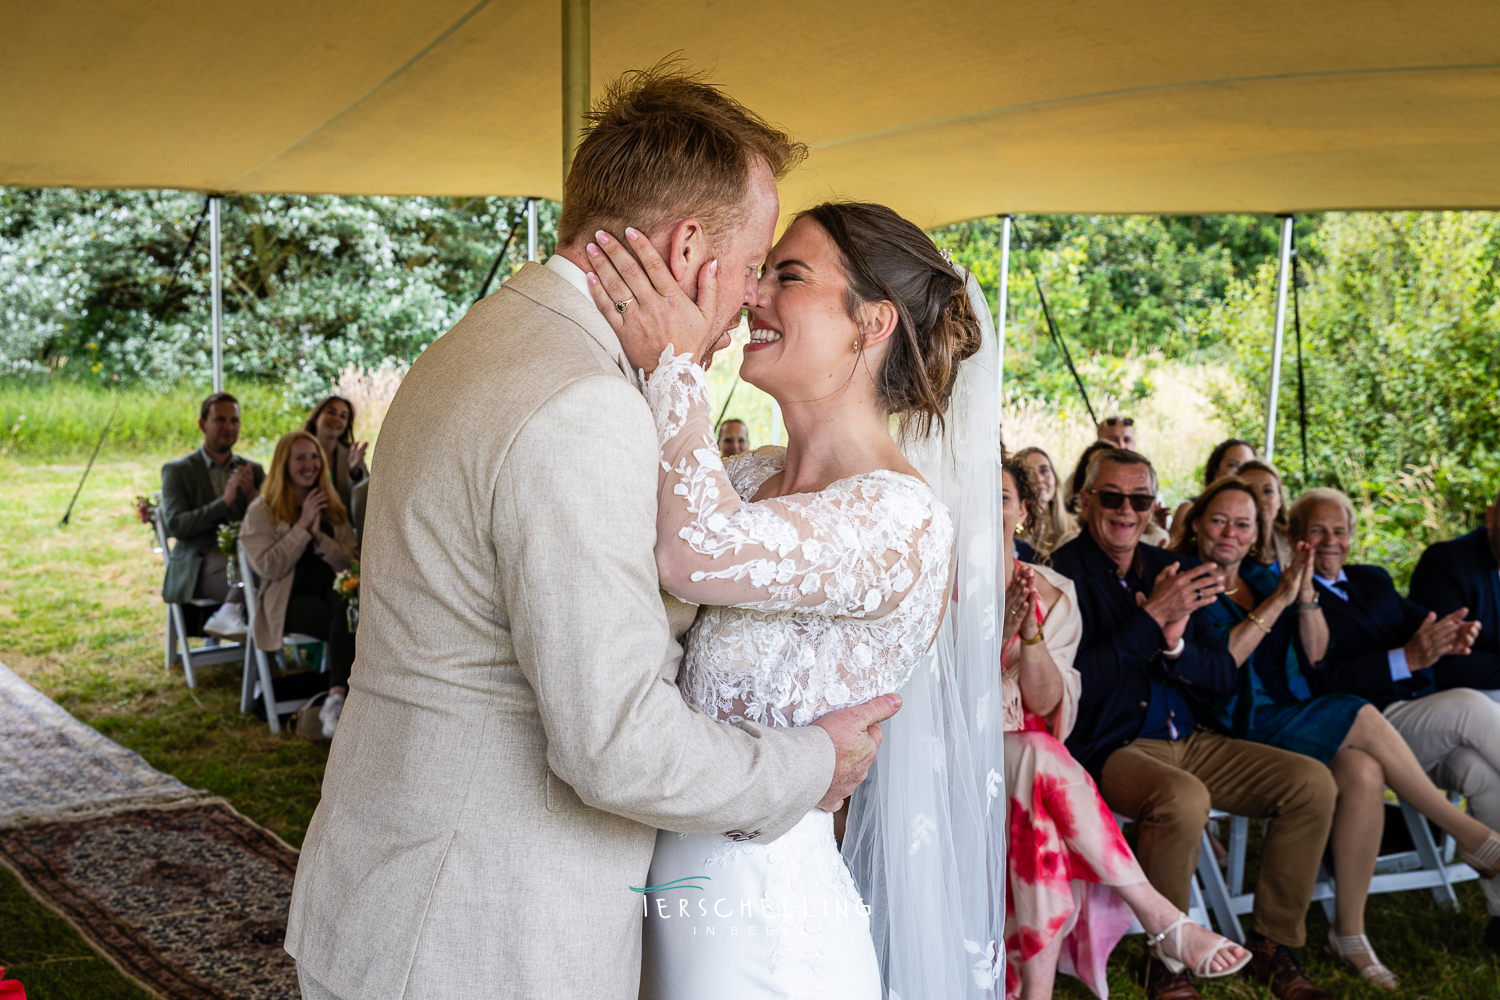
<point x="946" y="111"/>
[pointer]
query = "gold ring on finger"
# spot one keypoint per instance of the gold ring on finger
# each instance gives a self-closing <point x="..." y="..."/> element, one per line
<point x="624" y="304"/>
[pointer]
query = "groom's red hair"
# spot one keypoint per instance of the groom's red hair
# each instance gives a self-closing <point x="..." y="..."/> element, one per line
<point x="662" y="145"/>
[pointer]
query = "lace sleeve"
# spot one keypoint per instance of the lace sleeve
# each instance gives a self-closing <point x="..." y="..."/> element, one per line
<point x="852" y="549"/>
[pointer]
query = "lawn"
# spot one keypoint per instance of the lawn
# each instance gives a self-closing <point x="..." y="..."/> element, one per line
<point x="81" y="618"/>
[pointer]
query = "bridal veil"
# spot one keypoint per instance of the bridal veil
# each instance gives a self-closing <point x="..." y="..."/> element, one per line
<point x="925" y="838"/>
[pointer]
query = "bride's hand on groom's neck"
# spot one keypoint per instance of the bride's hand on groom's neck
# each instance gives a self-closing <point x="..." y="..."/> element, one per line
<point x="856" y="736"/>
<point x="648" y="310"/>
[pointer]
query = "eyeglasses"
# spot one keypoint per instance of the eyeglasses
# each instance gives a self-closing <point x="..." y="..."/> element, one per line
<point x="1112" y="500"/>
<point x="1127" y="421"/>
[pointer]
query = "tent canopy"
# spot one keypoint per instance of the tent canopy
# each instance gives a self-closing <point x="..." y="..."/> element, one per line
<point x="943" y="111"/>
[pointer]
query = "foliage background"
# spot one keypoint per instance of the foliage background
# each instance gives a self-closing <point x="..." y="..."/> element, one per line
<point x="1166" y="318"/>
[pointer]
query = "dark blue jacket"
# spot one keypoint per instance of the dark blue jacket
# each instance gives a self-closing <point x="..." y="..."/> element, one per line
<point x="1121" y="652"/>
<point x="1363" y="630"/>
<point x="1462" y="573"/>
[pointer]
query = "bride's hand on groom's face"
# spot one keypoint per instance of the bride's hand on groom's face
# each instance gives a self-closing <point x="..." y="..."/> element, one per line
<point x="856" y="735"/>
<point x="656" y="311"/>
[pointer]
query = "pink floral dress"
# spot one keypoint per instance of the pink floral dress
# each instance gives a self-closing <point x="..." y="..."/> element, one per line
<point x="1065" y="850"/>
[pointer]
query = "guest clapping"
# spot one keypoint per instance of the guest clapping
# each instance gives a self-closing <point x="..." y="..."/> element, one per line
<point x="1159" y="755"/>
<point x="200" y="493"/>
<point x="1060" y="832"/>
<point x="332" y="423"/>
<point x="1044" y="531"/>
<point x="1384" y="648"/>
<point x="297" y="538"/>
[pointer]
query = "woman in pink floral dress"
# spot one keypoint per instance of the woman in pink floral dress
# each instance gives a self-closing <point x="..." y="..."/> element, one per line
<point x="1074" y="886"/>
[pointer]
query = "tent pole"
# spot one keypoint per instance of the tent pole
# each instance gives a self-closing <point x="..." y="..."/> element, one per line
<point x="1282" y="273"/>
<point x="575" y="76"/>
<point x="531" y="229"/>
<point x="1001" y="310"/>
<point x="217" y="285"/>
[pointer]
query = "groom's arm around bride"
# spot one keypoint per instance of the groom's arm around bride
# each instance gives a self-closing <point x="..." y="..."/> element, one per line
<point x="514" y="736"/>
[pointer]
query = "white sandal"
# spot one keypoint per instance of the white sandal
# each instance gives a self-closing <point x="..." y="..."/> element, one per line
<point x="1357" y="944"/>
<point x="1486" y="860"/>
<point x="1176" y="965"/>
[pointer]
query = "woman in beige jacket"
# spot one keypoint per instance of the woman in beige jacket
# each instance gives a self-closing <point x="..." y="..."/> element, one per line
<point x="297" y="538"/>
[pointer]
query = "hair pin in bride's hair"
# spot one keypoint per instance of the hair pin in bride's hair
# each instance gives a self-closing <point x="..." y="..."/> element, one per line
<point x="946" y="254"/>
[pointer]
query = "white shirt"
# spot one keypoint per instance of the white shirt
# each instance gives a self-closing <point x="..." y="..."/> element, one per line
<point x="563" y="267"/>
<point x="1396" y="658"/>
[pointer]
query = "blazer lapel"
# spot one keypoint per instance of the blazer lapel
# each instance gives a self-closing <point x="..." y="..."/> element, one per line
<point x="553" y="292"/>
<point x="1351" y="609"/>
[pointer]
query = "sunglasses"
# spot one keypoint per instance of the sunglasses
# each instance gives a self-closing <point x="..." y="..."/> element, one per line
<point x="1112" y="500"/>
<point x="1127" y="421"/>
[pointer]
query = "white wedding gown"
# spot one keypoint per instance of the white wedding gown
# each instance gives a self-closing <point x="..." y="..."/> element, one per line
<point x="811" y="603"/>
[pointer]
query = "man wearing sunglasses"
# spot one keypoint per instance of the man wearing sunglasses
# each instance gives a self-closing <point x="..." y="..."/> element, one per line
<point x="1118" y="431"/>
<point x="1158" y="757"/>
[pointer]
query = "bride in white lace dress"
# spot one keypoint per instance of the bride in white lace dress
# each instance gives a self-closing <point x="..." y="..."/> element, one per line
<point x="822" y="569"/>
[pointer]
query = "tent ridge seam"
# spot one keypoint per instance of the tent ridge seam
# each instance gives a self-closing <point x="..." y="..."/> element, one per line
<point x="1148" y="88"/>
<point x="440" y="39"/>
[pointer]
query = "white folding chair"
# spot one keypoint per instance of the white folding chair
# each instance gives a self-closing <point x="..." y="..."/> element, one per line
<point x="258" y="661"/>
<point x="177" y="645"/>
<point x="1425" y="867"/>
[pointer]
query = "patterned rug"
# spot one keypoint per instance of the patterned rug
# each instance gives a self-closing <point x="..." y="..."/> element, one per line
<point x="185" y="896"/>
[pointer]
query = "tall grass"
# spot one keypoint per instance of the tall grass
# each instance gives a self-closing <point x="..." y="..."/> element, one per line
<point x="61" y="420"/>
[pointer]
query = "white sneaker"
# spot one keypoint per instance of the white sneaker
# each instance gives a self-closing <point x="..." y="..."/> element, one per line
<point x="333" y="707"/>
<point x="228" y="622"/>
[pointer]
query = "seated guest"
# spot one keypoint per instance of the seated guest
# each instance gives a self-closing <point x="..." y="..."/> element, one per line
<point x="1042" y="533"/>
<point x="1464" y="572"/>
<point x="332" y="423"/>
<point x="1118" y="431"/>
<point x="1224" y="460"/>
<point x="1384" y="648"/>
<point x="1277" y="552"/>
<point x="296" y="540"/>
<point x="1277" y="628"/>
<point x="1060" y="832"/>
<point x="199" y="493"/>
<point x="734" y="437"/>
<point x="1157" y="753"/>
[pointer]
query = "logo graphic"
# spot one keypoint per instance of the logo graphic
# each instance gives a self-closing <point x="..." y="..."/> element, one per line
<point x="683" y="883"/>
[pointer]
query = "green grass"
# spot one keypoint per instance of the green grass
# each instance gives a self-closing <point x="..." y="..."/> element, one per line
<point x="61" y="419"/>
<point x="81" y="618"/>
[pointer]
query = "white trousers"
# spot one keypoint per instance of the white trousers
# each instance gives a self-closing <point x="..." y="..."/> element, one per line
<point x="1455" y="736"/>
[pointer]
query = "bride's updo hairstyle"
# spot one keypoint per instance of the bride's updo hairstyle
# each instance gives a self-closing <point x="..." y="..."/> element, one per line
<point x="887" y="258"/>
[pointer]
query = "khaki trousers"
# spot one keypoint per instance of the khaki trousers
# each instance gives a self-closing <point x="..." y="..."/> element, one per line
<point x="1455" y="736"/>
<point x="1167" y="788"/>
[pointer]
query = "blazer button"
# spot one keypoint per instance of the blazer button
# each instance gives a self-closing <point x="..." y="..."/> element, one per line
<point x="1145" y="704"/>
<point x="741" y="835"/>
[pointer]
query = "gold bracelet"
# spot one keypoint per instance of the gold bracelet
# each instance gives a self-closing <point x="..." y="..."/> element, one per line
<point x="1256" y="619"/>
<point x="1040" y="635"/>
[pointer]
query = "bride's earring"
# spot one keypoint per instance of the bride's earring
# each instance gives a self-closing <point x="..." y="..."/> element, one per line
<point x="856" y="347"/>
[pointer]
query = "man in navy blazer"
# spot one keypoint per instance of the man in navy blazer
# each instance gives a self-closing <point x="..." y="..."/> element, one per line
<point x="1464" y="572"/>
<point x="1387" y="649"/>
<point x="1156" y="754"/>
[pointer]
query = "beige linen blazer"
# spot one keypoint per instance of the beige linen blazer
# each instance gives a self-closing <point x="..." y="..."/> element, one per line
<point x="514" y="735"/>
<point x="272" y="548"/>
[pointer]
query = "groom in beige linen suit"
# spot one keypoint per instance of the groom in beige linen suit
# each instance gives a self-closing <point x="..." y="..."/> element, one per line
<point x="514" y="736"/>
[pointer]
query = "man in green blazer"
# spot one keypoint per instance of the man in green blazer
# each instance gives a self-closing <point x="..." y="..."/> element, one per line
<point x="199" y="492"/>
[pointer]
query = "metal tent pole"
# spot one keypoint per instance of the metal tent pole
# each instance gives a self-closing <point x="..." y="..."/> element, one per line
<point x="531" y="229"/>
<point x="217" y="284"/>
<point x="575" y="76"/>
<point x="1001" y="310"/>
<point x="1282" y="274"/>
